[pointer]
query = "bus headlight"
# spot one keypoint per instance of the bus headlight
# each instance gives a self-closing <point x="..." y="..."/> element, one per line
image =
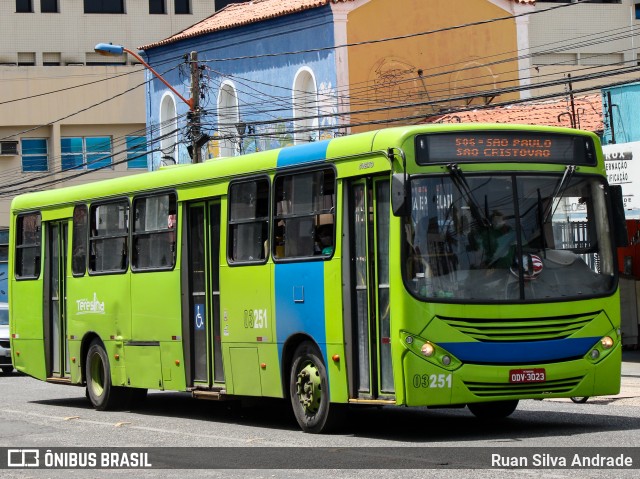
<point x="430" y="351"/>
<point x="427" y="349"/>
<point x="606" y="342"/>
<point x="603" y="347"/>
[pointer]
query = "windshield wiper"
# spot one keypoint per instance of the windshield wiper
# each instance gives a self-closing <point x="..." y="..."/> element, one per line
<point x="461" y="183"/>
<point x="562" y="186"/>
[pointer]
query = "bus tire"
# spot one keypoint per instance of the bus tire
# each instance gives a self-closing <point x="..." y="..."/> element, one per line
<point x="309" y="391"/>
<point x="102" y="394"/>
<point x="493" y="409"/>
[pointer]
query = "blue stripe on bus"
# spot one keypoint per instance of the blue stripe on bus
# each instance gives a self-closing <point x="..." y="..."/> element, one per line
<point x="306" y="153"/>
<point x="300" y="302"/>
<point x="521" y="352"/>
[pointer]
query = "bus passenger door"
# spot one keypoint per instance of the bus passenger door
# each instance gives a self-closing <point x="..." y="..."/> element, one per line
<point x="367" y="328"/>
<point x="55" y="323"/>
<point x="203" y="351"/>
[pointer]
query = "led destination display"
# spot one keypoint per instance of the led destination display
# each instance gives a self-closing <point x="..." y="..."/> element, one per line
<point x="504" y="146"/>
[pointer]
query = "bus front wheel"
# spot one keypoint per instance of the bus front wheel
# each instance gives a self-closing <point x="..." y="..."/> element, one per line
<point x="493" y="409"/>
<point x="102" y="394"/>
<point x="309" y="391"/>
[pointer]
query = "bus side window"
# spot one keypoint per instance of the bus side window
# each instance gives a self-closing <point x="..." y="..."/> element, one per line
<point x="248" y="221"/>
<point x="109" y="237"/>
<point x="304" y="214"/>
<point x="153" y="233"/>
<point x="28" y="240"/>
<point x="79" y="253"/>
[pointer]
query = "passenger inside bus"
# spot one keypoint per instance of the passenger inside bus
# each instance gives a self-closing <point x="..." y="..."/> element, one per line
<point x="324" y="239"/>
<point x="495" y="242"/>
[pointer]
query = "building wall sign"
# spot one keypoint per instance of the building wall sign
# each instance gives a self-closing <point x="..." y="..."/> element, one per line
<point x="622" y="162"/>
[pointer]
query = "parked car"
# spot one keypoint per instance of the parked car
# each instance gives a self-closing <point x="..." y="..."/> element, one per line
<point x="5" y="348"/>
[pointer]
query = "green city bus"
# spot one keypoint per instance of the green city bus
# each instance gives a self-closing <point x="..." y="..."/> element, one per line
<point x="432" y="265"/>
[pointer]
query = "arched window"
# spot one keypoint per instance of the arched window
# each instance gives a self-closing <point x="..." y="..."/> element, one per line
<point x="228" y="117"/>
<point x="168" y="127"/>
<point x="305" y="106"/>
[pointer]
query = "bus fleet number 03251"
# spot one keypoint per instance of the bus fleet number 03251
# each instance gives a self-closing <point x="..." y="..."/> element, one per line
<point x="255" y="318"/>
<point x="432" y="381"/>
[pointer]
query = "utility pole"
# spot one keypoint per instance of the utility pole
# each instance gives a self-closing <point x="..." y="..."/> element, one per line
<point x="194" y="114"/>
<point x="193" y="117"/>
<point x="610" y="116"/>
<point x="573" y="105"/>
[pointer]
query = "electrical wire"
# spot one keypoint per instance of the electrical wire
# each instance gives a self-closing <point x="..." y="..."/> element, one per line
<point x="397" y="37"/>
<point x="256" y="93"/>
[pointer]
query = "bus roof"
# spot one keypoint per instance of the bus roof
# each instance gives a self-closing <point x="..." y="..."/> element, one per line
<point x="224" y="169"/>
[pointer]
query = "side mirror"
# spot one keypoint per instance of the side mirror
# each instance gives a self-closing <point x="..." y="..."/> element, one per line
<point x="400" y="194"/>
<point x="619" y="222"/>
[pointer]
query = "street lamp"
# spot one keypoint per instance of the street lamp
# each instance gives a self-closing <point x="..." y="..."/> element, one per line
<point x="108" y="49"/>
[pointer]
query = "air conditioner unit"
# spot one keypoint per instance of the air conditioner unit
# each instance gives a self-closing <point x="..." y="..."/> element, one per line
<point x="8" y="147"/>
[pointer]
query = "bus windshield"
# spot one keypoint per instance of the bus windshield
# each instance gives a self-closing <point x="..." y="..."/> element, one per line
<point x="508" y="238"/>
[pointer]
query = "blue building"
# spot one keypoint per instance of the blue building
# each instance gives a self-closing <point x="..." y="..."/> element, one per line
<point x="620" y="110"/>
<point x="621" y="142"/>
<point x="251" y="99"/>
<point x="280" y="72"/>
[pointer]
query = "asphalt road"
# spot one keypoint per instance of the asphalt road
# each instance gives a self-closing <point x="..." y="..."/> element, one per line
<point x="385" y="442"/>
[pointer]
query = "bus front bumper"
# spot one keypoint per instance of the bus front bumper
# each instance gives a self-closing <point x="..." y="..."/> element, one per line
<point x="427" y="384"/>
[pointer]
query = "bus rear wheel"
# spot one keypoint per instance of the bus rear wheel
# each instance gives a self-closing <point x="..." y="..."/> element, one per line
<point x="309" y="391"/>
<point x="493" y="409"/>
<point x="102" y="394"/>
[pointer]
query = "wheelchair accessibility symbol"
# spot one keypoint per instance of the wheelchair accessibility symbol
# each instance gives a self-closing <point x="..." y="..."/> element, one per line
<point x="199" y="317"/>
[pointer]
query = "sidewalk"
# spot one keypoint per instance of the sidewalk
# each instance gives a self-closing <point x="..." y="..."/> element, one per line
<point x="630" y="363"/>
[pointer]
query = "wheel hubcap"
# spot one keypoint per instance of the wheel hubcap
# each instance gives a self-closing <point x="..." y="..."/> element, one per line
<point x="309" y="388"/>
<point x="97" y="375"/>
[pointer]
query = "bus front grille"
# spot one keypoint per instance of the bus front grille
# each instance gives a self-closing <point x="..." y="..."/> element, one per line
<point x="559" y="386"/>
<point x="524" y="329"/>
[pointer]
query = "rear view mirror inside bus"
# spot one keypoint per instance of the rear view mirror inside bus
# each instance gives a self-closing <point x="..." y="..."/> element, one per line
<point x="400" y="194"/>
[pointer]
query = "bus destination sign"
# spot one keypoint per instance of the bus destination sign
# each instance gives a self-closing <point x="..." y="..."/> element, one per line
<point x="504" y="146"/>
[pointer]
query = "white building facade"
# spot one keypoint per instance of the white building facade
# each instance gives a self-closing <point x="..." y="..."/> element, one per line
<point x="67" y="114"/>
<point x="587" y="40"/>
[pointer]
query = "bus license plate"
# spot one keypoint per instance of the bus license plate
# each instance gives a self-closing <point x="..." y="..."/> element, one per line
<point x="536" y="375"/>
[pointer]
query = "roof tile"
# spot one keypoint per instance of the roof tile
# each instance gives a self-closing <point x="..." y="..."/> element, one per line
<point x="238" y="14"/>
<point x="550" y="113"/>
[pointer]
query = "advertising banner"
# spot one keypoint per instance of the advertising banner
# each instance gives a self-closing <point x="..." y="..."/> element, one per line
<point x="622" y="163"/>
